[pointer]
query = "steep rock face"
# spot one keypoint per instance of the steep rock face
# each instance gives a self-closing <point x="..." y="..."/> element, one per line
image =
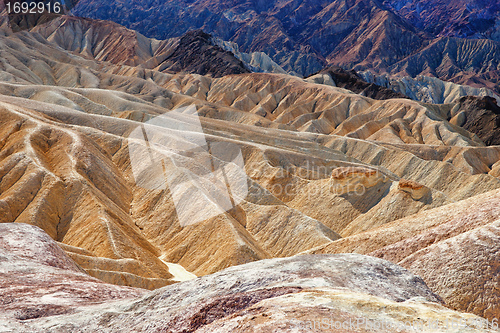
<point x="195" y="53"/>
<point x="108" y="41"/>
<point x="104" y="40"/>
<point x="247" y="24"/>
<point x="378" y="40"/>
<point x="257" y="61"/>
<point x="473" y="62"/>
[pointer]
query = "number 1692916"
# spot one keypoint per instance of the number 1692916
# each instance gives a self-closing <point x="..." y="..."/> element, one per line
<point x="33" y="7"/>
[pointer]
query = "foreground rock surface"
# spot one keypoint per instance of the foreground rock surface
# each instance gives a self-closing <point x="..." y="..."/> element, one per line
<point x="43" y="290"/>
<point x="454" y="248"/>
<point x="37" y="279"/>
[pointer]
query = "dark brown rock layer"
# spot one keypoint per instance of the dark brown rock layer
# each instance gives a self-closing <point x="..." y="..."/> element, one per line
<point x="195" y="53"/>
<point x="482" y="117"/>
<point x="350" y="80"/>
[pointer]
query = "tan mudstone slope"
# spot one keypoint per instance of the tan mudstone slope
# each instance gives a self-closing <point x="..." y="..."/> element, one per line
<point x="395" y="178"/>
